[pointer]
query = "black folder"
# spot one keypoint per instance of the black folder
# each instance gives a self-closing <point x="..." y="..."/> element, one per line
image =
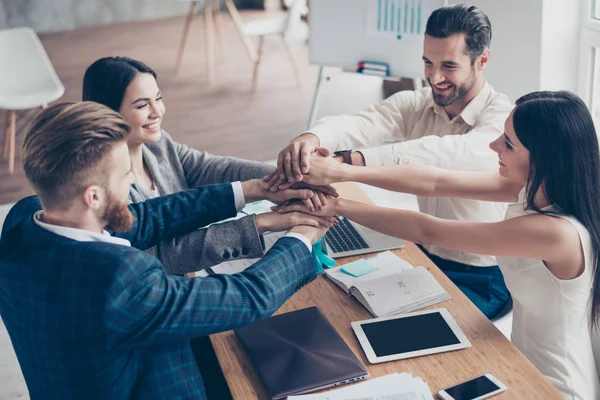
<point x="299" y="352"/>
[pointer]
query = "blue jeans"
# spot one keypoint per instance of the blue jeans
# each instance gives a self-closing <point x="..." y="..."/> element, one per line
<point x="484" y="286"/>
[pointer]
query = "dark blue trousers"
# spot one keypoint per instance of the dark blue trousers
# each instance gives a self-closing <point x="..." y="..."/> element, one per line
<point x="484" y="286"/>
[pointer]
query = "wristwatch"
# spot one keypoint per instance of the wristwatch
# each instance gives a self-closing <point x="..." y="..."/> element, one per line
<point x="346" y="156"/>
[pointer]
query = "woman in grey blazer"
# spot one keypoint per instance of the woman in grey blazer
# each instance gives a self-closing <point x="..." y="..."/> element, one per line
<point x="162" y="166"/>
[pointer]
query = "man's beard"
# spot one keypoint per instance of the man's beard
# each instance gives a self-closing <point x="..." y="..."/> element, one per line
<point x="458" y="92"/>
<point x="117" y="215"/>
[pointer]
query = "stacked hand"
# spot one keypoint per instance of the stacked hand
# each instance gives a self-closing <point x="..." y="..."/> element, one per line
<point x="324" y="171"/>
<point x="301" y="186"/>
<point x="311" y="221"/>
<point x="277" y="222"/>
<point x="294" y="160"/>
<point x="293" y="207"/>
<point x="311" y="226"/>
<point x="328" y="211"/>
<point x="312" y="195"/>
<point x="304" y="161"/>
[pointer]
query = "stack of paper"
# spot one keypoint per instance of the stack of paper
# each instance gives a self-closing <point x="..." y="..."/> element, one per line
<point x="389" y="387"/>
<point x="392" y="286"/>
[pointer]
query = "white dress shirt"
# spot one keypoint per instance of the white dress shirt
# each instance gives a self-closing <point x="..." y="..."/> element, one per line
<point x="409" y="128"/>
<point x="238" y="195"/>
<point x="82" y="235"/>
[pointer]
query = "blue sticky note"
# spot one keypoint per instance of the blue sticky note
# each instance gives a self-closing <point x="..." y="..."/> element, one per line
<point x="358" y="268"/>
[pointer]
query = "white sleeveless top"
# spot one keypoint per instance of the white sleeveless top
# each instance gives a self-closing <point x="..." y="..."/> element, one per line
<point x="551" y="316"/>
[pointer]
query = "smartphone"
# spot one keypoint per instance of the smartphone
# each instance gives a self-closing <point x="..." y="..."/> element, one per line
<point x="482" y="387"/>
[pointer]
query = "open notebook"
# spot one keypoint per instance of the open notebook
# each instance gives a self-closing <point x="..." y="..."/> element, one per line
<point x="395" y="287"/>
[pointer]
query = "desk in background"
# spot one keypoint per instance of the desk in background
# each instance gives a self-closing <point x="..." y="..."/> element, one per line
<point x="490" y="352"/>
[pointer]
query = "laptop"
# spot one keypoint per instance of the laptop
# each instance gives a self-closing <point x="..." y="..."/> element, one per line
<point x="350" y="239"/>
<point x="299" y="352"/>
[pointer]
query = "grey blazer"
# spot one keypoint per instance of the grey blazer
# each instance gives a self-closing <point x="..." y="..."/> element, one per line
<point x="175" y="167"/>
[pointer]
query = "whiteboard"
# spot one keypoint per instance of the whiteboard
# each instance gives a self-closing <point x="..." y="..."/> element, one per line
<point x="344" y="32"/>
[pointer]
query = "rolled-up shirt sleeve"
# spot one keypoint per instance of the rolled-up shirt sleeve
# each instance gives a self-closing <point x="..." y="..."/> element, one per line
<point x="377" y="124"/>
<point x="467" y="152"/>
<point x="408" y="128"/>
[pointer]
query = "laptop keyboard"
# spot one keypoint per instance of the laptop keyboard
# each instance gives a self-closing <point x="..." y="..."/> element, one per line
<point x="344" y="237"/>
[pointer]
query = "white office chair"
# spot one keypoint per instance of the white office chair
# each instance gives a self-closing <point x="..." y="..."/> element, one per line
<point x="278" y="25"/>
<point x="28" y="80"/>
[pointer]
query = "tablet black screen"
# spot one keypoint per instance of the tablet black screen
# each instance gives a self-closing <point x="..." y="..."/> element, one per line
<point x="408" y="334"/>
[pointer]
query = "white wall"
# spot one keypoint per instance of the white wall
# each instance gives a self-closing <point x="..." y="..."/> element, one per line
<point x="561" y="33"/>
<point x="46" y="16"/>
<point x="535" y="44"/>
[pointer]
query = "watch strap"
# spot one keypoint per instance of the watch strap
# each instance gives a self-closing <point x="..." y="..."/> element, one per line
<point x="346" y="156"/>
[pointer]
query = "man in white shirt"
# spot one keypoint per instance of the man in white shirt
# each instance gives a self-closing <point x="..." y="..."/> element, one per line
<point x="92" y="316"/>
<point x="449" y="125"/>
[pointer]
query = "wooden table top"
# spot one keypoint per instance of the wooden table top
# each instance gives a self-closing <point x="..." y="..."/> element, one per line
<point x="490" y="351"/>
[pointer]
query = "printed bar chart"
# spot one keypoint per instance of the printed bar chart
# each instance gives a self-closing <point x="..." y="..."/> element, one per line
<point x="397" y="18"/>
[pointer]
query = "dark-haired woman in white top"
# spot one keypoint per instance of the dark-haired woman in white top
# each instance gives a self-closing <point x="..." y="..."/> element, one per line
<point x="548" y="245"/>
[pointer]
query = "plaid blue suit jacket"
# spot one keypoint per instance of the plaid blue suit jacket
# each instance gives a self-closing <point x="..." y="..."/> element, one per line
<point x="95" y="320"/>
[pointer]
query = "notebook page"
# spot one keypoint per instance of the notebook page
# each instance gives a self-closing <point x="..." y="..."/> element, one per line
<point x="399" y="290"/>
<point x="387" y="263"/>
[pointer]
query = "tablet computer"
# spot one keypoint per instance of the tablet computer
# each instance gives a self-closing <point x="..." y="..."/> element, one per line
<point x="409" y="335"/>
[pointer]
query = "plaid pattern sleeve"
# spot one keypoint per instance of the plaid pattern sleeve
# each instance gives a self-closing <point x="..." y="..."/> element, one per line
<point x="179" y="213"/>
<point x="155" y="308"/>
<point x="96" y="320"/>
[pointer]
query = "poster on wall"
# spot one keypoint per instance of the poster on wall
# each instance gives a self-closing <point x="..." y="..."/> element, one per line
<point x="397" y="19"/>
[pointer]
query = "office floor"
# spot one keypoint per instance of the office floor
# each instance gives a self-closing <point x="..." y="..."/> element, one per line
<point x="224" y="118"/>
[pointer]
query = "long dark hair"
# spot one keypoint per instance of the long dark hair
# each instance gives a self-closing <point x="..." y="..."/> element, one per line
<point x="106" y="80"/>
<point x="558" y="131"/>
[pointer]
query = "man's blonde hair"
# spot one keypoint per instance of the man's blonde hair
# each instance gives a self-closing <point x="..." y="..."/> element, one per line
<point x="64" y="147"/>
